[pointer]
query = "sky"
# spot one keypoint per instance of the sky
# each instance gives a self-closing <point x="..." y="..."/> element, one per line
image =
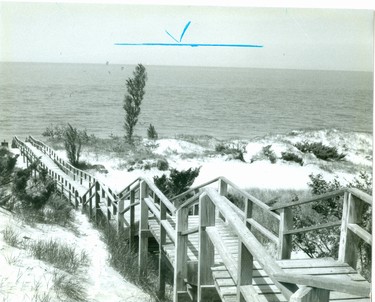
<point x="293" y="38"/>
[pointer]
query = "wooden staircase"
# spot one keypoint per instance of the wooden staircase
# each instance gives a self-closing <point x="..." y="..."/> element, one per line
<point x="209" y="242"/>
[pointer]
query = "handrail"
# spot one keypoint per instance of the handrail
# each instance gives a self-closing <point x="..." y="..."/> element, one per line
<point x="348" y="287"/>
<point x="194" y="189"/>
<point x="269" y="264"/>
<point x="360" y="194"/>
<point x="309" y="200"/>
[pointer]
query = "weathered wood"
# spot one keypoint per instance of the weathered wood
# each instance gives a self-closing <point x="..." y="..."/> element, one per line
<point x="263" y="230"/>
<point x="309" y="294"/>
<point x="180" y="268"/>
<point x="132" y="218"/>
<point x="309" y="200"/>
<point x="285" y="240"/>
<point x="349" y="241"/>
<point x="315" y="227"/>
<point x="162" y="257"/>
<point x="227" y="258"/>
<point x="120" y="217"/>
<point x="143" y="226"/>
<point x="360" y="232"/>
<point x="245" y="269"/>
<point x="206" y="250"/>
<point x="349" y="287"/>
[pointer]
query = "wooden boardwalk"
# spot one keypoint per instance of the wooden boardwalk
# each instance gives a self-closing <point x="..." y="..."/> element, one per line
<point x="210" y="244"/>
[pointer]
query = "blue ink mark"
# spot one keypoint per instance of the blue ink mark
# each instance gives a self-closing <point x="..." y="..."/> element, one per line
<point x="171" y="36"/>
<point x="178" y="43"/>
<point x="190" y="45"/>
<point x="183" y="32"/>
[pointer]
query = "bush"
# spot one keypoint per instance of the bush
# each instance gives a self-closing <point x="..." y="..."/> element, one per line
<point x="73" y="144"/>
<point x="234" y="152"/>
<point x="151" y="132"/>
<point x="7" y="164"/>
<point x="269" y="153"/>
<point x="162" y="164"/>
<point x="177" y="182"/>
<point x="320" y="151"/>
<point x="288" y="156"/>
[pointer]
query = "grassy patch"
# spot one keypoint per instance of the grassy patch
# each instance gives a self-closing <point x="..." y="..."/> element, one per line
<point x="288" y="156"/>
<point x="124" y="259"/>
<point x="11" y="237"/>
<point x="60" y="255"/>
<point x="67" y="287"/>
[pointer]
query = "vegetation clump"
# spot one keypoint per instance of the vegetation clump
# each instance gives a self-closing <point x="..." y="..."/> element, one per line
<point x="288" y="156"/>
<point x="320" y="151"/>
<point x="235" y="152"/>
<point x="73" y="144"/>
<point x="177" y="182"/>
<point x="151" y="132"/>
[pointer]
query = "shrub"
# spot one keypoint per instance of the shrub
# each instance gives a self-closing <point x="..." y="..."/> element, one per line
<point x="177" y="182"/>
<point x="151" y="132"/>
<point x="320" y="151"/>
<point x="269" y="153"/>
<point x="162" y="164"/>
<point x="234" y="152"/>
<point x="288" y="156"/>
<point x="7" y="164"/>
<point x="73" y="144"/>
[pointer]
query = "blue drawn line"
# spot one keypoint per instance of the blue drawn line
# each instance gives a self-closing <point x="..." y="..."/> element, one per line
<point x="171" y="36"/>
<point x="178" y="43"/>
<point x="183" y="32"/>
<point x="190" y="45"/>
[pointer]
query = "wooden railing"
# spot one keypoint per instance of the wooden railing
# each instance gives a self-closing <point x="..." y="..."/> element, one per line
<point x="77" y="174"/>
<point x="63" y="184"/>
<point x="350" y="232"/>
<point x="213" y="205"/>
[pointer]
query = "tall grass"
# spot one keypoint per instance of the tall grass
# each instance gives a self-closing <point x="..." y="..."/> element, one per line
<point x="68" y="288"/>
<point x="60" y="255"/>
<point x="124" y="259"/>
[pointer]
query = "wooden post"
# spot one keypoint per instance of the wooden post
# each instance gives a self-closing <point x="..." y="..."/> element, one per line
<point x="163" y="239"/>
<point x="143" y="231"/>
<point x="180" y="266"/>
<point x="97" y="201"/>
<point x="223" y="191"/>
<point x="245" y="258"/>
<point x="76" y="199"/>
<point x="285" y="241"/>
<point x="310" y="294"/>
<point x="84" y="199"/>
<point x="132" y="219"/>
<point x="352" y="213"/>
<point x="120" y="217"/>
<point x="206" y="252"/>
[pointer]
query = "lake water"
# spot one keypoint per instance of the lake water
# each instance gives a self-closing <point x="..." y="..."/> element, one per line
<point x="222" y="102"/>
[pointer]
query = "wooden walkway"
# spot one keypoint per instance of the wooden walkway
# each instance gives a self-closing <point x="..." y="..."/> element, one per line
<point x="210" y="244"/>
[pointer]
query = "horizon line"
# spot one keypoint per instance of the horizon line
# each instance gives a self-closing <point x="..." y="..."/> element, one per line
<point x="191" y="45"/>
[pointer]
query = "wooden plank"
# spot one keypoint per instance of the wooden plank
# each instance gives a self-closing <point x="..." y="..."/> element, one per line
<point x="309" y="294"/>
<point x="152" y="207"/>
<point x="360" y="232"/>
<point x="320" y="270"/>
<point x="351" y="287"/>
<point x="227" y="258"/>
<point x="250" y="294"/>
<point x="309" y="200"/>
<point x="361" y="195"/>
<point x="170" y="231"/>
<point x="315" y="227"/>
<point x="190" y="231"/>
<point x="263" y="230"/>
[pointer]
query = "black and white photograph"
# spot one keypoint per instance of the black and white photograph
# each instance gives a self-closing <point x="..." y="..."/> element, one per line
<point x="176" y="152"/>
